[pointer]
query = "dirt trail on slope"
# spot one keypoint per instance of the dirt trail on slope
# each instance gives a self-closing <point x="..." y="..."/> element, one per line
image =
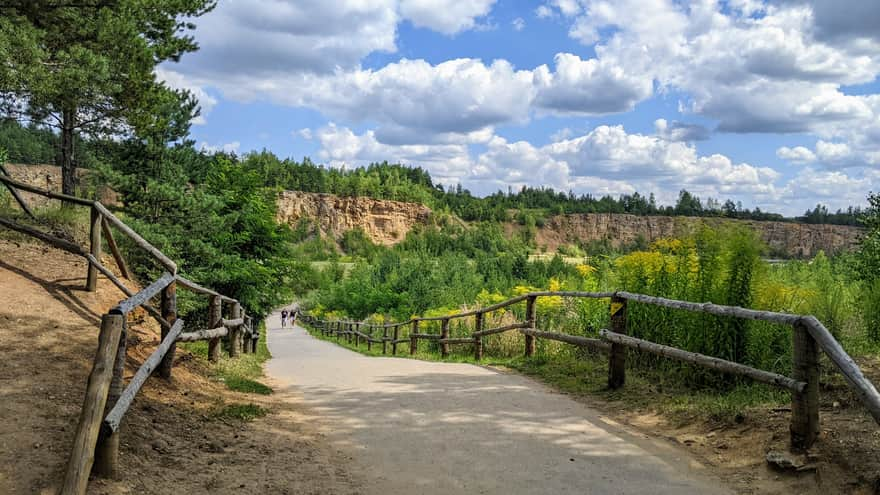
<point x="172" y="439"/>
<point x="446" y="428"/>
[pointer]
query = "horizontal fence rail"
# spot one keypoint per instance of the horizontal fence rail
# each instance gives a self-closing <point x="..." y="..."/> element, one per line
<point x="705" y="361"/>
<point x="114" y="417"/>
<point x="809" y="337"/>
<point x="96" y="443"/>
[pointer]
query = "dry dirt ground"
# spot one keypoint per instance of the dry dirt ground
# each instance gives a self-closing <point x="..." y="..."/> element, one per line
<point x="172" y="440"/>
<point x="845" y="458"/>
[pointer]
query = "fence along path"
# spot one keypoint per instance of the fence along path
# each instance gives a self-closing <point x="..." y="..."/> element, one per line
<point x="809" y="337"/>
<point x="108" y="398"/>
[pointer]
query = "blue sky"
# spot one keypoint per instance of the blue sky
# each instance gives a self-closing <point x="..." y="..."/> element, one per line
<point x="772" y="103"/>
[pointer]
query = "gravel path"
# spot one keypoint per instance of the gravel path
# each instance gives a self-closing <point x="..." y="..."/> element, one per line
<point x="413" y="426"/>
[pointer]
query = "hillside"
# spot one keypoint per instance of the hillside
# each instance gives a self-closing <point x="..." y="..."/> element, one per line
<point x="387" y="222"/>
<point x="793" y="240"/>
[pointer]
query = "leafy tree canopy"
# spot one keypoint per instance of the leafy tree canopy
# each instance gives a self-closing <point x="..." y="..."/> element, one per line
<point x="87" y="67"/>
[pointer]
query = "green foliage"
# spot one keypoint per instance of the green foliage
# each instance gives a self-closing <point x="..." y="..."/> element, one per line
<point x="872" y="310"/>
<point x="219" y="226"/>
<point x="356" y="243"/>
<point x="239" y="374"/>
<point x="532" y="205"/>
<point x="88" y="68"/>
<point x="247" y="386"/>
<point x="869" y="267"/>
<point x="241" y="412"/>
<point x="438" y="271"/>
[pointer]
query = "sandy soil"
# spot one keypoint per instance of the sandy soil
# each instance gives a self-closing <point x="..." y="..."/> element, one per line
<point x="171" y="440"/>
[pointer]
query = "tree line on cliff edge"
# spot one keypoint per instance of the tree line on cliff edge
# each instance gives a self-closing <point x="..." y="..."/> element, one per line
<point x="398" y="182"/>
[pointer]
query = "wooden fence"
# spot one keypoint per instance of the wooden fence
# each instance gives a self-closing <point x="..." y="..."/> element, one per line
<point x="96" y="443"/>
<point x="809" y="337"/>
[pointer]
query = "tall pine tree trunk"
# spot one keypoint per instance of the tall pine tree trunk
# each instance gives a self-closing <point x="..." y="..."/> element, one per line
<point x="68" y="165"/>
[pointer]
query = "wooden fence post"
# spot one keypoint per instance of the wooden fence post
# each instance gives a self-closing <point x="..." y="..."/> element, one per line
<point x="337" y="329"/>
<point x="617" y="356"/>
<point x="246" y="335"/>
<point x="169" y="312"/>
<point x="94" y="249"/>
<point x="384" y="340"/>
<point x="413" y="338"/>
<point x="255" y="340"/>
<point x="235" y="332"/>
<point x="444" y="334"/>
<point x="394" y="342"/>
<point x="82" y="455"/>
<point x="370" y="340"/>
<point x="530" y="321"/>
<point x="804" y="406"/>
<point x="478" y="341"/>
<point x="357" y="336"/>
<point x="215" y="319"/>
<point x="114" y="248"/>
<point x="107" y="449"/>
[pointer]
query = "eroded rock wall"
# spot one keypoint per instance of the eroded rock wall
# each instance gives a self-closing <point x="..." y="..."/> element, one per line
<point x="793" y="239"/>
<point x="385" y="222"/>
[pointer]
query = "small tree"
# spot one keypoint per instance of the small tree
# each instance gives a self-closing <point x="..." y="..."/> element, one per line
<point x="87" y="67"/>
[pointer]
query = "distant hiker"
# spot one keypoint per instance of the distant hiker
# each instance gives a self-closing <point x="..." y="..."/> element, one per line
<point x="293" y="315"/>
<point x="283" y="317"/>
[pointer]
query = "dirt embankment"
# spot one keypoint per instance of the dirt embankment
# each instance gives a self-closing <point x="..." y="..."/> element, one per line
<point x="48" y="177"/>
<point x="173" y="440"/>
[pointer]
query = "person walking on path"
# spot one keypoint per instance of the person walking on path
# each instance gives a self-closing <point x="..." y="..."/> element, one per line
<point x="283" y="317"/>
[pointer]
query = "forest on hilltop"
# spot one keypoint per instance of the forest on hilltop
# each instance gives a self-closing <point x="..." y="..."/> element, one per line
<point x="33" y="145"/>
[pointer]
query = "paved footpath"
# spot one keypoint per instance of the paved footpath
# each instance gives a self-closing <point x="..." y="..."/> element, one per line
<point x="417" y="427"/>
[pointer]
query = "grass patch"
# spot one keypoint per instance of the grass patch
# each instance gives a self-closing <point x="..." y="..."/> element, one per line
<point x="241" y="412"/>
<point x="70" y="223"/>
<point x="239" y="374"/>
<point x="247" y="386"/>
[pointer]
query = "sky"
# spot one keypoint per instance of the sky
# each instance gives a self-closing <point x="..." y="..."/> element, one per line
<point x="772" y="103"/>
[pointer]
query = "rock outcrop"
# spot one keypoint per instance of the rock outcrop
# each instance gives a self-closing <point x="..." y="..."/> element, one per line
<point x="384" y="222"/>
<point x="791" y="239"/>
<point x="387" y="222"/>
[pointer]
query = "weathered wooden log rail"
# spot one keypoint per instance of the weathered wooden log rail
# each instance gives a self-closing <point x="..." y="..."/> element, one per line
<point x="809" y="337"/>
<point x="96" y="444"/>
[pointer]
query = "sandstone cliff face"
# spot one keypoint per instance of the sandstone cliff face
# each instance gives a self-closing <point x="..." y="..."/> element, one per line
<point x="388" y="222"/>
<point x="385" y="222"/>
<point x="793" y="239"/>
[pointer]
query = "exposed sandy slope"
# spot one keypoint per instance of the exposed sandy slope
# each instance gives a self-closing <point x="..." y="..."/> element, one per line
<point x="447" y="428"/>
<point x="171" y="441"/>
